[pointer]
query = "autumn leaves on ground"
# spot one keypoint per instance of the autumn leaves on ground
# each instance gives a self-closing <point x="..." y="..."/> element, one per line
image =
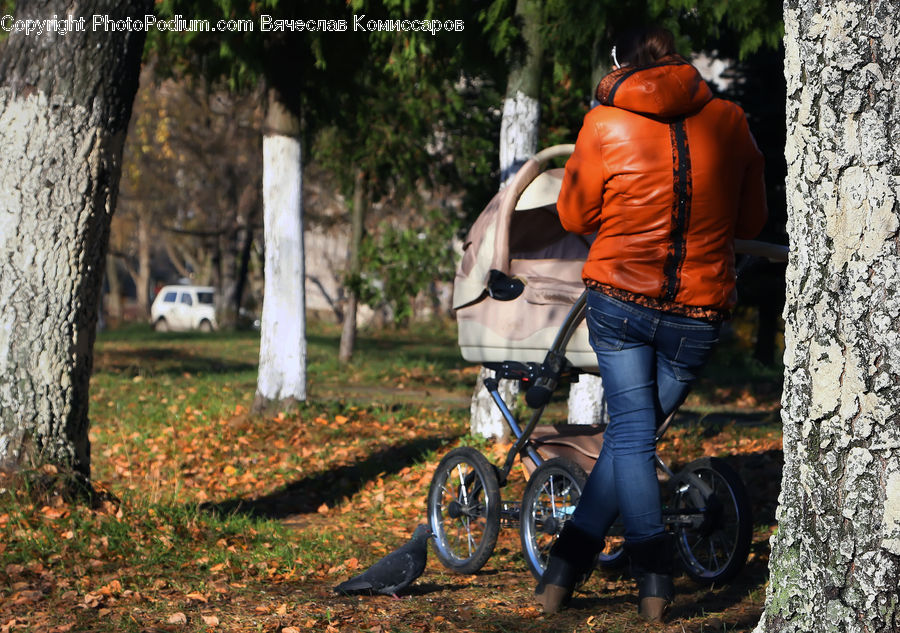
<point x="208" y="518"/>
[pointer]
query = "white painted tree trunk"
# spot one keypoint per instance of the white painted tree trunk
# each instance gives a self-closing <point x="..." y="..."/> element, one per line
<point x="586" y="402"/>
<point x="65" y="102"/>
<point x="519" y="127"/>
<point x="282" y="352"/>
<point x="835" y="564"/>
<point x="518" y="142"/>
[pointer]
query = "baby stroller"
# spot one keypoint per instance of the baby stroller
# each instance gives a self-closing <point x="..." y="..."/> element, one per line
<point x="520" y="305"/>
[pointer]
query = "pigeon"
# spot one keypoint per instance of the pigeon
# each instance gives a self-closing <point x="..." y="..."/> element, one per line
<point x="396" y="571"/>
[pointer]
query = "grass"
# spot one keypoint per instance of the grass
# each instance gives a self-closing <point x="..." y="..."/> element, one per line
<point x="210" y="518"/>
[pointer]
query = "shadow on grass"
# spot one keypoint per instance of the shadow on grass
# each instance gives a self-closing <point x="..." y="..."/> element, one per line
<point x="401" y="346"/>
<point x="166" y="361"/>
<point x="761" y="474"/>
<point x="308" y="494"/>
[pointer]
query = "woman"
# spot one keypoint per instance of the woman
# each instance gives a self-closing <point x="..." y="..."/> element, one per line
<point x="667" y="176"/>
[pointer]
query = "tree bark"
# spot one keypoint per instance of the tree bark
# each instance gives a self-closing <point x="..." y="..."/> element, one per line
<point x="519" y="127"/>
<point x="65" y="102"/>
<point x="282" y="353"/>
<point x="835" y="564"/>
<point x="520" y="122"/>
<point x="357" y="223"/>
<point x="586" y="402"/>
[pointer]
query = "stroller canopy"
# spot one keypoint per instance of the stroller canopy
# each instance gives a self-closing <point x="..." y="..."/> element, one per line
<point x="519" y="235"/>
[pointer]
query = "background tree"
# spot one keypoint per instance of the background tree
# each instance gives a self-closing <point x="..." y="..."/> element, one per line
<point x="65" y="102"/>
<point x="835" y="563"/>
<point x="413" y="129"/>
<point x="190" y="186"/>
<point x="515" y="32"/>
<point x="291" y="67"/>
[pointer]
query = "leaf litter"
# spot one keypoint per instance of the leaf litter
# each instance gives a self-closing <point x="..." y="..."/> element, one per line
<point x="220" y="520"/>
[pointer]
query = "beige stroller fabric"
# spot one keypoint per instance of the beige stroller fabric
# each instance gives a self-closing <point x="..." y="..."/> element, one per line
<point x="519" y="234"/>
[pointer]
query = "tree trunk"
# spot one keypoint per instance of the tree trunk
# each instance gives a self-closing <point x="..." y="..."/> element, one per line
<point x="586" y="402"/>
<point x="243" y="270"/>
<point x="178" y="262"/>
<point x="835" y="564"/>
<point x="357" y="223"/>
<point x="142" y="279"/>
<point x="282" y="352"/>
<point x="520" y="123"/>
<point x="239" y="261"/>
<point x="65" y="102"/>
<point x="114" y="294"/>
<point x="519" y="128"/>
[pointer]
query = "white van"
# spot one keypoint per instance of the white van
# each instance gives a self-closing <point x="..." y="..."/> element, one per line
<point x="184" y="308"/>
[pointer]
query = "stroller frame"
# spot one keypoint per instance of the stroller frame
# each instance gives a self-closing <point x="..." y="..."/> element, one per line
<point x="709" y="510"/>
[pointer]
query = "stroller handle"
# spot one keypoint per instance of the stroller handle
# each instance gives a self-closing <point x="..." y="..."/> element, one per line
<point x="554" y="151"/>
<point x="776" y="253"/>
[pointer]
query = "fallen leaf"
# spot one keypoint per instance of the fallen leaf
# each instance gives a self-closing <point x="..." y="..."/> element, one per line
<point x="112" y="588"/>
<point x="93" y="600"/>
<point x="27" y="596"/>
<point x="210" y="620"/>
<point x="177" y="618"/>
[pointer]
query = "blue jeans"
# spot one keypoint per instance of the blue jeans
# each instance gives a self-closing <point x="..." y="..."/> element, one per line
<point x="648" y="360"/>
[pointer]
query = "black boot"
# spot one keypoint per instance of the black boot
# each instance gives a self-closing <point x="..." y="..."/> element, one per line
<point x="652" y="565"/>
<point x="571" y="563"/>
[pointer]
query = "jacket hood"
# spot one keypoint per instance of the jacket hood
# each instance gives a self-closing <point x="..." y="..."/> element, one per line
<point x="668" y="89"/>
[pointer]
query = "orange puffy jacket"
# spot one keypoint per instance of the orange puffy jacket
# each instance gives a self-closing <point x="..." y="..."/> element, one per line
<point x="667" y="176"/>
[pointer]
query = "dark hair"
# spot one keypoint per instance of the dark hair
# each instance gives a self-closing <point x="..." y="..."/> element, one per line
<point x="645" y="45"/>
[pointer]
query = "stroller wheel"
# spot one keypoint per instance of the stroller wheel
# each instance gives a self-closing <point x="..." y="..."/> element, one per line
<point x="715" y="523"/>
<point x="464" y="510"/>
<point x="550" y="498"/>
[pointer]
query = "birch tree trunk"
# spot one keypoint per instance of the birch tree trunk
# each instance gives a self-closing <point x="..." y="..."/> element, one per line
<point x="519" y="126"/>
<point x="586" y="402"/>
<point x="835" y="564"/>
<point x="520" y="122"/>
<point x="282" y="350"/>
<point x="65" y="102"/>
